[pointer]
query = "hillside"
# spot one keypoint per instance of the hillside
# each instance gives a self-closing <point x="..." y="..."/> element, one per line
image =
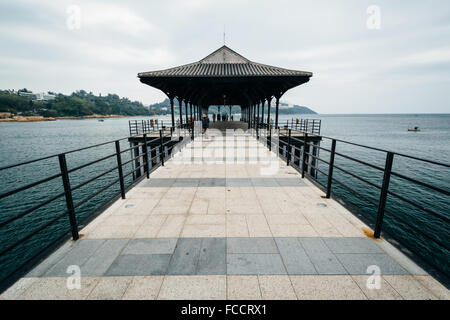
<point x="78" y="104"/>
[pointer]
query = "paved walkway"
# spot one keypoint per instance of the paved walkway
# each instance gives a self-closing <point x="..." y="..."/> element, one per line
<point x="245" y="228"/>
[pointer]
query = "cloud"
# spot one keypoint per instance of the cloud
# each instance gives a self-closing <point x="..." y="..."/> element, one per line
<point x="115" y="18"/>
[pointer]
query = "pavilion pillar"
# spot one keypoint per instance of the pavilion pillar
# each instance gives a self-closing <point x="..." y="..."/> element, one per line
<point x="190" y="105"/>
<point x="186" y="110"/>
<point x="277" y="104"/>
<point x="257" y="116"/>
<point x="180" y="102"/>
<point x="262" y="110"/>
<point x="172" y="111"/>
<point x="254" y="115"/>
<point x="269" y="100"/>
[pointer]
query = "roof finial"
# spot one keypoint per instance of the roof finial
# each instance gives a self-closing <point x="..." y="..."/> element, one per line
<point x="224" y="34"/>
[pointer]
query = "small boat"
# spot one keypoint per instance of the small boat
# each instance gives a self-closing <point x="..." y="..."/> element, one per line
<point x="101" y="120"/>
<point x="415" y="129"/>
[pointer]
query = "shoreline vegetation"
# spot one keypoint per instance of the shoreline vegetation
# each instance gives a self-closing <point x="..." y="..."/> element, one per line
<point x="23" y="106"/>
<point x="42" y="118"/>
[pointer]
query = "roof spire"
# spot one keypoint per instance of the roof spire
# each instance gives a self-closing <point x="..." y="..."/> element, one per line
<point x="224" y="34"/>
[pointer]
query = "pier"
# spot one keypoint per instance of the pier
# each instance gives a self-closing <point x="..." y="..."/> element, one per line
<point x="245" y="210"/>
<point x="205" y="226"/>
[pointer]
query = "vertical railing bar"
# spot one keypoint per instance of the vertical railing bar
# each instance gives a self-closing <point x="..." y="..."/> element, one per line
<point x="145" y="152"/>
<point x="68" y="195"/>
<point x="119" y="166"/>
<point x="383" y="194"/>
<point x="305" y="136"/>
<point x="161" y="147"/>
<point x="330" y="168"/>
<point x="288" y="153"/>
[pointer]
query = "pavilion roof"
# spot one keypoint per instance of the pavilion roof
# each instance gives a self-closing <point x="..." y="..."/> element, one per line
<point x="224" y="62"/>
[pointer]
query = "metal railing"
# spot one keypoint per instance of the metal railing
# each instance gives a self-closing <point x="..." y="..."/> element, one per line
<point x="311" y="126"/>
<point x="138" y="127"/>
<point x="305" y="125"/>
<point x="144" y="161"/>
<point x="298" y="152"/>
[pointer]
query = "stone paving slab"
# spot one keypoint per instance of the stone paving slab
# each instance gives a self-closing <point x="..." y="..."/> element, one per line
<point x="357" y="263"/>
<point x="78" y="255"/>
<point x="294" y="256"/>
<point x="185" y="257"/>
<point x="151" y="246"/>
<point x="100" y="261"/>
<point x="251" y="245"/>
<point x="255" y="263"/>
<point x="140" y="265"/>
<point x="212" y="259"/>
<point x="352" y="245"/>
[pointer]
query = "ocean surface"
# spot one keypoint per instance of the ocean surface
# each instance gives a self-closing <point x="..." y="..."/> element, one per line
<point x="21" y="142"/>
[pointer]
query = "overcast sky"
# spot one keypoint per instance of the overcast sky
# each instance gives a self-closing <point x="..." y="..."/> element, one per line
<point x="401" y="67"/>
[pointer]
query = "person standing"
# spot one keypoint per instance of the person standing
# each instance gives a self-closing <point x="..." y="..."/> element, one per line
<point x="205" y="123"/>
<point x="214" y="117"/>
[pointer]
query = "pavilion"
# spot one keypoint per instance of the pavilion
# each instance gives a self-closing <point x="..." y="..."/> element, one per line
<point x="224" y="77"/>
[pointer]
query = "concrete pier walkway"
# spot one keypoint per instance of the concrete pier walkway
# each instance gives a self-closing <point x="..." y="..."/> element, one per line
<point x="245" y="228"/>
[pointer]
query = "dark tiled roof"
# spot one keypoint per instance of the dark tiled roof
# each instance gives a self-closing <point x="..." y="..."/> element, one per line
<point x="224" y="62"/>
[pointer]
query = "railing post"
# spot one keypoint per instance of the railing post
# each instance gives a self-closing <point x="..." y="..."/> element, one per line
<point x="330" y="168"/>
<point x="119" y="166"/>
<point x="145" y="152"/>
<point x="161" y="153"/>
<point x="288" y="153"/>
<point x="305" y="136"/>
<point x="68" y="194"/>
<point x="383" y="194"/>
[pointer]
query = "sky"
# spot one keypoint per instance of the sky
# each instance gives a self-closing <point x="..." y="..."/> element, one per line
<point x="379" y="56"/>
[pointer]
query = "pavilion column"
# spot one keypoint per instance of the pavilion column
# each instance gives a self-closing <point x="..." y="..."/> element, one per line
<point x="180" y="102"/>
<point x="257" y="116"/>
<point x="262" y="110"/>
<point x="190" y="105"/>
<point x="269" y="100"/>
<point x="186" y="110"/>
<point x="254" y="115"/>
<point x="277" y="104"/>
<point x="172" y="111"/>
